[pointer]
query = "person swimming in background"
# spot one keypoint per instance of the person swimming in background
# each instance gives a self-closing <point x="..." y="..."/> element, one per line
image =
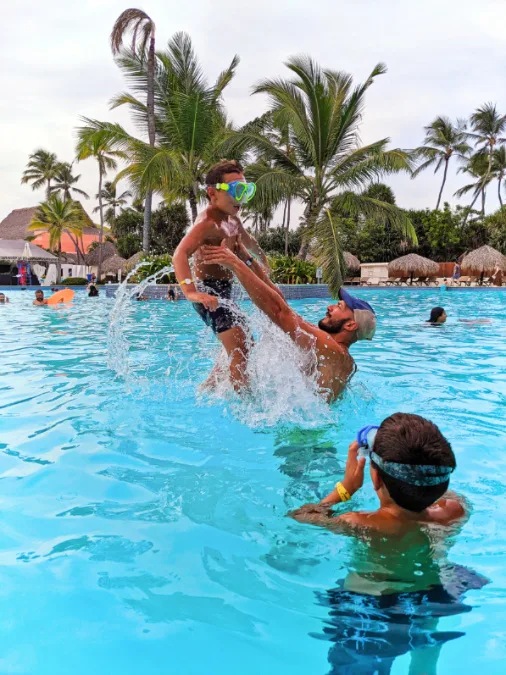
<point x="92" y="290"/>
<point x="400" y="581"/>
<point x="171" y="295"/>
<point x="437" y="317"/>
<point x="3" y="299"/>
<point x="226" y="190"/>
<point x="39" y="299"/>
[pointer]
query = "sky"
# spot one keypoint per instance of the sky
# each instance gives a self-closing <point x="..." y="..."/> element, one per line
<point x="444" y="57"/>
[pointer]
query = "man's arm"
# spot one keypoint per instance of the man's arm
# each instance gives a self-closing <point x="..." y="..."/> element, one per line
<point x="260" y="270"/>
<point x="253" y="246"/>
<point x="268" y="300"/>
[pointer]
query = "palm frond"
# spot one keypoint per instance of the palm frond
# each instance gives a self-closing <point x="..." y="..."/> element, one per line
<point x="328" y="252"/>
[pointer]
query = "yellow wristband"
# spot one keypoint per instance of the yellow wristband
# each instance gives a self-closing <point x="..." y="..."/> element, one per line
<point x="343" y="493"/>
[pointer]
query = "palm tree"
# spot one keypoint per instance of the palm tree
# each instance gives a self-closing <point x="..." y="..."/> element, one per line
<point x="190" y="123"/>
<point x="488" y="125"/>
<point x="143" y="33"/>
<point x="443" y="140"/>
<point x="499" y="169"/>
<point x="65" y="182"/>
<point x="96" y="143"/>
<point x="111" y="200"/>
<point x="42" y="168"/>
<point x="478" y="168"/>
<point x="57" y="216"/>
<point x="323" y="112"/>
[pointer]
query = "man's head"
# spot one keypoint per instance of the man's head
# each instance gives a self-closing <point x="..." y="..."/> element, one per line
<point x="410" y="446"/>
<point x="352" y="318"/>
<point x="224" y="172"/>
<point x="2" y="298"/>
<point x="39" y="295"/>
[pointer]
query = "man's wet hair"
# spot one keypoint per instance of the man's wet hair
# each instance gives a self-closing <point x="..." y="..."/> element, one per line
<point x="218" y="171"/>
<point x="411" y="439"/>
<point x="435" y="313"/>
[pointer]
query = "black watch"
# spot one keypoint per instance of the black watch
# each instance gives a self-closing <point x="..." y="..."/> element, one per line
<point x="250" y="261"/>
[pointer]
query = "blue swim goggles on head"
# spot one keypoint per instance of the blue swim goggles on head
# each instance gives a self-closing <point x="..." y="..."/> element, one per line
<point x="240" y="190"/>
<point x="413" y="474"/>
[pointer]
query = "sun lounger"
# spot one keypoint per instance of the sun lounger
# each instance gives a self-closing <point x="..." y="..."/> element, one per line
<point x="356" y="281"/>
<point x="390" y="281"/>
<point x="364" y="281"/>
<point x="432" y="280"/>
<point x="420" y="281"/>
<point x="464" y="281"/>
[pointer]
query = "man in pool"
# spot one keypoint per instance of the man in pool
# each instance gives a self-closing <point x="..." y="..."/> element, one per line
<point x="344" y="323"/>
<point x="3" y="299"/>
<point x="227" y="190"/>
<point x="39" y="299"/>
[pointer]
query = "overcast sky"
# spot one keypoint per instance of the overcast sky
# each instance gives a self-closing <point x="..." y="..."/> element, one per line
<point x="444" y="57"/>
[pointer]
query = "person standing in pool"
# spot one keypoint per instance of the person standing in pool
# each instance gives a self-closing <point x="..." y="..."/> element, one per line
<point x="39" y="299"/>
<point x="3" y="299"/>
<point x="209" y="284"/>
<point x="344" y="323"/>
<point x="400" y="581"/>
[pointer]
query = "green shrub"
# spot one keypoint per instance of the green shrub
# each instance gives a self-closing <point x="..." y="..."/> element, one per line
<point x="287" y="270"/>
<point x="74" y="281"/>
<point x="154" y="264"/>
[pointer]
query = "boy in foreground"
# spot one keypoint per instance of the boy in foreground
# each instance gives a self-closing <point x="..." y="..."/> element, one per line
<point x="399" y="581"/>
<point x="227" y="189"/>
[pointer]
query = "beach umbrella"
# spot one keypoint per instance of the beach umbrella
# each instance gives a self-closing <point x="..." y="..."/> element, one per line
<point x="133" y="261"/>
<point x="113" y="264"/>
<point x="412" y="265"/>
<point x="351" y="261"/>
<point x="483" y="261"/>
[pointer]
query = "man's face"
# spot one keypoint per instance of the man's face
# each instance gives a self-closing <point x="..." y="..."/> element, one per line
<point x="442" y="318"/>
<point x="2" y="298"/>
<point x="337" y="318"/>
<point x="223" y="200"/>
<point x="39" y="295"/>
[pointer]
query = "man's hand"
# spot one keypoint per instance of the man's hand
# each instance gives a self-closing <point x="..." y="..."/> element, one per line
<point x="311" y="513"/>
<point x="210" y="302"/>
<point x="220" y="255"/>
<point x="353" y="476"/>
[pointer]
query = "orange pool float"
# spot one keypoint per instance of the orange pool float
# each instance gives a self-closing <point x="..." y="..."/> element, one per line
<point x="67" y="295"/>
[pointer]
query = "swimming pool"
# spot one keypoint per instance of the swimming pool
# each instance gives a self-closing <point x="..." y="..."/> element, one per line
<point x="143" y="524"/>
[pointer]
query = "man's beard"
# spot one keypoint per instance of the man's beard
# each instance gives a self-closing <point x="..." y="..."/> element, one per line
<point x="333" y="328"/>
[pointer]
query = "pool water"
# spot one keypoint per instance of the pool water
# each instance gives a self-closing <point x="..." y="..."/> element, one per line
<point x="143" y="524"/>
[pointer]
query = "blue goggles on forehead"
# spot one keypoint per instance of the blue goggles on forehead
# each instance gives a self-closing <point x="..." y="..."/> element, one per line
<point x="413" y="474"/>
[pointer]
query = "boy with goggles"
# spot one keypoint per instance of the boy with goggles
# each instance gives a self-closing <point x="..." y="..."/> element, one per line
<point x="207" y="284"/>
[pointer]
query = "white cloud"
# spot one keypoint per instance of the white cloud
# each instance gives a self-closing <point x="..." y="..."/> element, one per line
<point x="443" y="58"/>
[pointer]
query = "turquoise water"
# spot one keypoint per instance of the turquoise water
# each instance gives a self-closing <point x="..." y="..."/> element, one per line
<point x="143" y="524"/>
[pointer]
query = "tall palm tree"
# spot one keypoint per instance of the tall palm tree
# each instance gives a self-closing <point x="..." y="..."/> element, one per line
<point x="65" y="182"/>
<point x="42" y="168"/>
<point x="443" y="140"/>
<point x="488" y="126"/>
<point x="57" y="216"/>
<point x="499" y="169"/>
<point x="112" y="200"/>
<point x="143" y="30"/>
<point x="323" y="112"/>
<point x="477" y="167"/>
<point x="189" y="117"/>
<point x="97" y="144"/>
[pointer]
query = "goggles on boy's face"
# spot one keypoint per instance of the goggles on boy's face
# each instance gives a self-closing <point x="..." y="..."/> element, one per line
<point x="240" y="190"/>
<point x="413" y="474"/>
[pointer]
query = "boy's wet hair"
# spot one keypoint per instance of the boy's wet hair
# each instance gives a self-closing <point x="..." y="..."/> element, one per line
<point x="218" y="171"/>
<point x="411" y="439"/>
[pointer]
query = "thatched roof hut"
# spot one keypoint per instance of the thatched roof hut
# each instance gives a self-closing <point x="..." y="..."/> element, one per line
<point x="412" y="265"/>
<point x="483" y="260"/>
<point x="351" y="261"/>
<point x="134" y="260"/>
<point x="108" y="250"/>
<point x="113" y="264"/>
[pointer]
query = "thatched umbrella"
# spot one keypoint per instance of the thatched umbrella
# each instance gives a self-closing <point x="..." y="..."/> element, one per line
<point x="113" y="265"/>
<point x="483" y="261"/>
<point x="412" y="265"/>
<point x="133" y="261"/>
<point x="351" y="261"/>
